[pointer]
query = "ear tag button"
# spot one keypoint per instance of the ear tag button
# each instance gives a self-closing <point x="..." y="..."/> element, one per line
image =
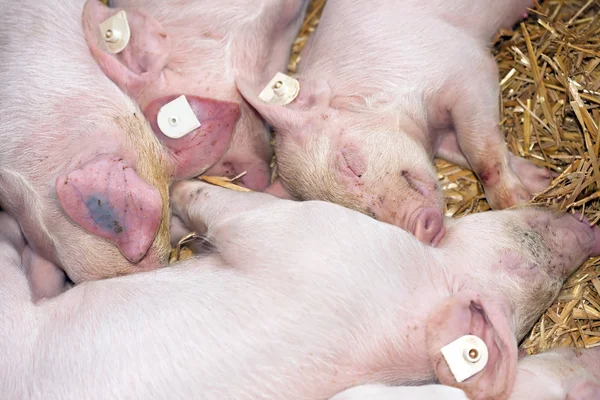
<point x="115" y="32"/>
<point x="466" y="356"/>
<point x="176" y="118"/>
<point x="280" y="91"/>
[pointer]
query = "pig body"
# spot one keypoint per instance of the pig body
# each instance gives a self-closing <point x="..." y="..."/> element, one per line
<point x="383" y="90"/>
<point x="80" y="167"/>
<point x="196" y="49"/>
<point x="382" y="392"/>
<point x="558" y="374"/>
<point x="338" y="302"/>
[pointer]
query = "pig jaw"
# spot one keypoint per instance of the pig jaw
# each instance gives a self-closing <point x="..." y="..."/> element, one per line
<point x="522" y="257"/>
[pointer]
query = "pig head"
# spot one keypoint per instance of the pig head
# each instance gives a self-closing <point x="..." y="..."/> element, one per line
<point x="517" y="260"/>
<point x="323" y="153"/>
<point x="196" y="52"/>
<point x="80" y="169"/>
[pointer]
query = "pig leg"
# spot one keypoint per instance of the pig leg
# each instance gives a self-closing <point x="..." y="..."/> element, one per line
<point x="584" y="390"/>
<point x="382" y="392"/>
<point x="507" y="180"/>
<point x="45" y="278"/>
<point x="201" y="206"/>
<point x="13" y="282"/>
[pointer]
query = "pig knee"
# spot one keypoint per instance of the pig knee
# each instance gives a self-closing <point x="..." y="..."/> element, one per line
<point x="503" y="187"/>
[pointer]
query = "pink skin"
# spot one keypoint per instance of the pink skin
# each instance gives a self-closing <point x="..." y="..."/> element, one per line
<point x="200" y="149"/>
<point x="108" y="199"/>
<point x="361" y="125"/>
<point x="81" y="141"/>
<point x="228" y="307"/>
<point x="557" y="374"/>
<point x="197" y="52"/>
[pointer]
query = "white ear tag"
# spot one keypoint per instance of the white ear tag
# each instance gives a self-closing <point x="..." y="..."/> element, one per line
<point x="466" y="356"/>
<point x="280" y="91"/>
<point x="115" y="32"/>
<point x="176" y="118"/>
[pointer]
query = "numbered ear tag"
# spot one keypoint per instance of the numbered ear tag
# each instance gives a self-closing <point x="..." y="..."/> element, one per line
<point x="176" y="118"/>
<point x="115" y="32"/>
<point x="466" y="356"/>
<point x="280" y="91"/>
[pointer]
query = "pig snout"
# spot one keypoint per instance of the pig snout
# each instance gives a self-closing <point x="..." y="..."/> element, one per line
<point x="586" y="237"/>
<point x="428" y="226"/>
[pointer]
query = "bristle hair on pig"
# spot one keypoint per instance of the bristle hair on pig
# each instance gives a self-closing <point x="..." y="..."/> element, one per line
<point x="337" y="303"/>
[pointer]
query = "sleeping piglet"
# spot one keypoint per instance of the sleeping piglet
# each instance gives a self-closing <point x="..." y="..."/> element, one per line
<point x="297" y="300"/>
<point x="80" y="167"/>
<point x="557" y="374"/>
<point x="181" y="63"/>
<point x="385" y="86"/>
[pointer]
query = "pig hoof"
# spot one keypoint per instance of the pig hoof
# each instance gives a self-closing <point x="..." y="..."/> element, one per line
<point x="429" y="226"/>
<point x="534" y="178"/>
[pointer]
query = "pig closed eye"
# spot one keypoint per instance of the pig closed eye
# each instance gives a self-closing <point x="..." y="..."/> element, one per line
<point x="416" y="185"/>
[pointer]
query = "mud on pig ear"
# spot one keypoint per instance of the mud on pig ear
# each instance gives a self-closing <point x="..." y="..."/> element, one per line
<point x="314" y="96"/>
<point x="465" y="313"/>
<point x="107" y="198"/>
<point x="132" y="49"/>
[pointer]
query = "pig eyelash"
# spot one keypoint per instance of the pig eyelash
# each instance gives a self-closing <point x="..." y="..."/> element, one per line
<point x="410" y="180"/>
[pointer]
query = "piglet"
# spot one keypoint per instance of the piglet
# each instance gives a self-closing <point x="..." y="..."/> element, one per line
<point x="385" y="86"/>
<point x="383" y="392"/>
<point x="195" y="49"/>
<point x="558" y="374"/>
<point x="297" y="300"/>
<point x="80" y="168"/>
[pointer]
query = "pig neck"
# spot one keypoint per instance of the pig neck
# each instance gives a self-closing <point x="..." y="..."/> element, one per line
<point x="400" y="350"/>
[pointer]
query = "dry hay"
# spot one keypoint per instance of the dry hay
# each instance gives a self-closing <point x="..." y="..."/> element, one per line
<point x="550" y="113"/>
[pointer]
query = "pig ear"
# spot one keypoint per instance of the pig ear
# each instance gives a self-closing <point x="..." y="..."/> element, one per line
<point x="465" y="314"/>
<point x="107" y="198"/>
<point x="144" y="56"/>
<point x="314" y="96"/>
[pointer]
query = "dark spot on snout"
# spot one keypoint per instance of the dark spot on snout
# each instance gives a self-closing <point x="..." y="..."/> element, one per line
<point x="103" y="214"/>
<point x="118" y="228"/>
